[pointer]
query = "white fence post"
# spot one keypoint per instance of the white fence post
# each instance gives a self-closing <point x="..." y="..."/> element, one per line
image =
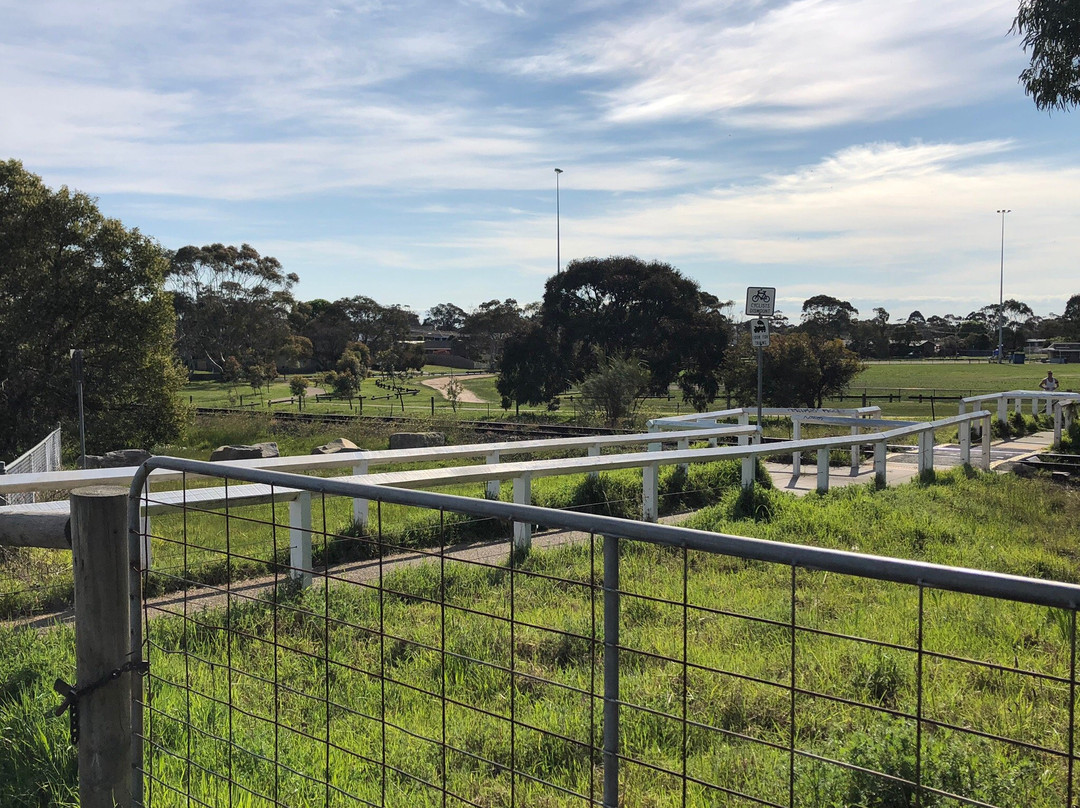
<point x="856" y="450"/>
<point x="522" y="496"/>
<point x="986" y="444"/>
<point x="493" y="486"/>
<point x="650" y="492"/>
<point x="879" y="464"/>
<point x="748" y="472"/>
<point x="796" y="457"/>
<point x="300" y="539"/>
<point x="822" y="470"/>
<point x="361" y="508"/>
<point x="1003" y="409"/>
<point x="965" y="442"/>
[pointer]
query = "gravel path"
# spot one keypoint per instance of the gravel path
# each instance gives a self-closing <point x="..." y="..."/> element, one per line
<point x="467" y="396"/>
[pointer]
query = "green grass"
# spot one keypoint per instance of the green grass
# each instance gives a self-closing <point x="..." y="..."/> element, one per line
<point x="903" y="380"/>
<point x="33" y="581"/>
<point x="990" y="521"/>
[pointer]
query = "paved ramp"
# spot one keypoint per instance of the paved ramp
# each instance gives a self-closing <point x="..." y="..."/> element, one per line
<point x="902" y="464"/>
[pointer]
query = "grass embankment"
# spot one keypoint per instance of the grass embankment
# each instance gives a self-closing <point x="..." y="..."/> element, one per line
<point x="996" y="522"/>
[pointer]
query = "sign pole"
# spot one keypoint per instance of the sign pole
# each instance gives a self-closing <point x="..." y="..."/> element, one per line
<point x="760" y="303"/>
<point x="759" y="364"/>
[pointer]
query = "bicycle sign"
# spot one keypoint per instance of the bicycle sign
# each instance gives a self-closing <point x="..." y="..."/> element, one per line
<point x="760" y="301"/>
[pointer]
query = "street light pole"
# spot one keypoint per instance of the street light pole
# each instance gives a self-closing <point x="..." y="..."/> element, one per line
<point x="1001" y="291"/>
<point x="558" y="235"/>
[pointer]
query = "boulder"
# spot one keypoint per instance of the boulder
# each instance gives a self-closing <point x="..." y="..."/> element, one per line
<point x="416" y="440"/>
<point x="335" y="446"/>
<point x="245" y="452"/>
<point x="120" y="458"/>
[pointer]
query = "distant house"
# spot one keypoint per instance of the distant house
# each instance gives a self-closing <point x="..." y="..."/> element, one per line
<point x="444" y="348"/>
<point x="1064" y="352"/>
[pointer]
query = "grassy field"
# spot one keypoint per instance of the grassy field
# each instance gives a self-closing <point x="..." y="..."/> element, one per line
<point x="894" y="386"/>
<point x="736" y="684"/>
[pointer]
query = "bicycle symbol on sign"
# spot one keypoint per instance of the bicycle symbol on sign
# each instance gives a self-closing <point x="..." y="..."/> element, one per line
<point x="760" y="296"/>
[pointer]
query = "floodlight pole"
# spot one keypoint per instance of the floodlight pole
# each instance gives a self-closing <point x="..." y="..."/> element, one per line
<point x="558" y="234"/>
<point x="1001" y="292"/>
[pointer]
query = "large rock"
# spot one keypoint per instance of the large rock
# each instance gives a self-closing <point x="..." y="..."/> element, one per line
<point x="242" y="452"/>
<point x="335" y="446"/>
<point x="416" y="440"/>
<point x="121" y="458"/>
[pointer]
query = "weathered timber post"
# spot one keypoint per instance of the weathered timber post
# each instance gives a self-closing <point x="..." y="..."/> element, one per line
<point x="99" y="547"/>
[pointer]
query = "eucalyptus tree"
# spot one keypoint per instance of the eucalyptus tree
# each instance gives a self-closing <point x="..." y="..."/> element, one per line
<point x="71" y="278"/>
<point x="230" y="301"/>
<point x="626" y="307"/>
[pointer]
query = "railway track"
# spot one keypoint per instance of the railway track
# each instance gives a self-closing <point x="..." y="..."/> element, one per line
<point x="504" y="428"/>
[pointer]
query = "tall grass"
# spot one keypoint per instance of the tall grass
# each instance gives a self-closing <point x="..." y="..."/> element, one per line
<point x="996" y="522"/>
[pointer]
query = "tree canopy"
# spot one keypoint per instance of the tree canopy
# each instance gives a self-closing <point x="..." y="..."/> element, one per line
<point x="625" y="307"/>
<point x="1050" y="29"/>
<point x="70" y="278"/>
<point x="798" y="371"/>
<point x="230" y="302"/>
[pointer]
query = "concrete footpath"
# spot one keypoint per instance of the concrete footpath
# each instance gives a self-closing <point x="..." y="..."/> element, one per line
<point x="902" y="466"/>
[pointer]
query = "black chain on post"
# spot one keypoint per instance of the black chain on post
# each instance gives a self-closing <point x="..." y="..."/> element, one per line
<point x="73" y="693"/>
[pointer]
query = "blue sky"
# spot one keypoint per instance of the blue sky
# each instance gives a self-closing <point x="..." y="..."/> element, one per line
<point x="406" y="150"/>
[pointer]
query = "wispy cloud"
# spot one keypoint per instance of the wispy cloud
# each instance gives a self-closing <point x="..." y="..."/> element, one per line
<point x="793" y="65"/>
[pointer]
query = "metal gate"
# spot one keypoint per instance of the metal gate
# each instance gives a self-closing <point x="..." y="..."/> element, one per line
<point x="427" y="660"/>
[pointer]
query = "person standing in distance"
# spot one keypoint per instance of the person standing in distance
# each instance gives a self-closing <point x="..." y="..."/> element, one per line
<point x="1049" y="384"/>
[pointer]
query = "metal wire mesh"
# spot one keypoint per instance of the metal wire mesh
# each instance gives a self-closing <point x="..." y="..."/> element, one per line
<point x="422" y="667"/>
<point x="45" y="456"/>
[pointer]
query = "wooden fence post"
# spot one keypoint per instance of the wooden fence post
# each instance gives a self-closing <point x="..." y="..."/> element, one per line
<point x="99" y="547"/>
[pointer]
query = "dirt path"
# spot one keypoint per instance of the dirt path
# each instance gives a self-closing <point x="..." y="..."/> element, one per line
<point x="203" y="597"/>
<point x="467" y="396"/>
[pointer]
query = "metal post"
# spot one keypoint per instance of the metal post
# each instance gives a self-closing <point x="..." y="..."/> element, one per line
<point x="100" y="552"/>
<point x="1001" y="292"/>
<point x="760" y="355"/>
<point x="611" y="672"/>
<point x="78" y="369"/>
<point x="558" y="234"/>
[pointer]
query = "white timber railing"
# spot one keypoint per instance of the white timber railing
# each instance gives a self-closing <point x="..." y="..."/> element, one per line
<point x="16" y="523"/>
<point x="1039" y="400"/>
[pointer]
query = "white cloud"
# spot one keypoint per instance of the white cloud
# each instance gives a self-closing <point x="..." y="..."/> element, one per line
<point x="801" y="64"/>
<point x="874" y="224"/>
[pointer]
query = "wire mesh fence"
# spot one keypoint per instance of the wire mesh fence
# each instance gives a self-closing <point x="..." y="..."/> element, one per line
<point x="45" y="456"/>
<point x="612" y="663"/>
